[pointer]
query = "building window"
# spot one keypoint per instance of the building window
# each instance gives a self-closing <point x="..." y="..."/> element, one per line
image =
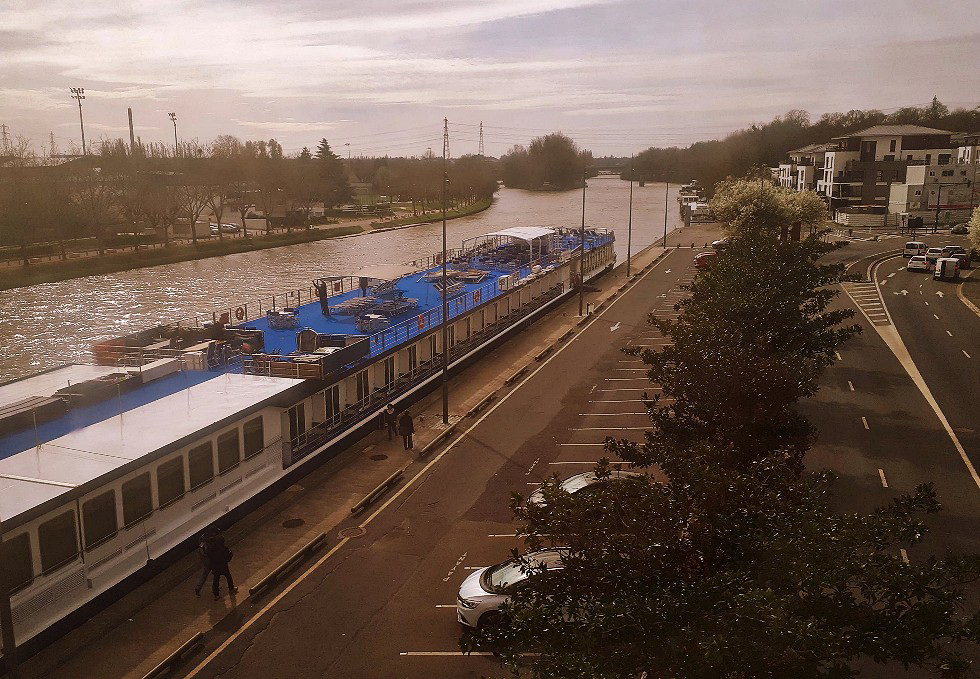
<point x="137" y="499"/>
<point x="932" y="174"/>
<point x="928" y="158"/>
<point x="432" y="346"/>
<point x="891" y="145"/>
<point x="297" y="420"/>
<point x="948" y="173"/>
<point x="879" y="176"/>
<point x="229" y="451"/>
<point x="16" y="561"/>
<point x="253" y="432"/>
<point x="918" y="192"/>
<point x="413" y="358"/>
<point x="200" y="464"/>
<point x="99" y="519"/>
<point x="57" y="540"/>
<point x="944" y="158"/>
<point x="170" y="481"/>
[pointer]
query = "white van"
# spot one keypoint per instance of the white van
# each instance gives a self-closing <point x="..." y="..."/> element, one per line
<point x="915" y="247"/>
<point x="947" y="269"/>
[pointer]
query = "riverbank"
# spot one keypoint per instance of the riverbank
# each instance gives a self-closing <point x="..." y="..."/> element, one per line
<point x="54" y="271"/>
<point x="417" y="220"/>
<point x="51" y="272"/>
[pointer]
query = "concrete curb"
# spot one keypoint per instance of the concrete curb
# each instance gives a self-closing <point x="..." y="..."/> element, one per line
<point x="167" y="665"/>
<point x="482" y="404"/>
<point x="376" y="493"/>
<point x="282" y="568"/>
<point x="434" y="443"/>
<point x="963" y="298"/>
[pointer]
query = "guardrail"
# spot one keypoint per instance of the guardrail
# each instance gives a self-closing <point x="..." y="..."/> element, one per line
<point x="280" y="570"/>
<point x="376" y="493"/>
<point x="175" y="657"/>
<point x="436" y="442"/>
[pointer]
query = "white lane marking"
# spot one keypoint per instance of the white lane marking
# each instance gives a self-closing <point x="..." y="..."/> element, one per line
<point x="590" y="462"/>
<point x="628" y="400"/>
<point x="608" y="414"/>
<point x="882" y="282"/>
<point x="850" y="385"/>
<point x="626" y="379"/>
<point x="534" y="483"/>
<point x="905" y="556"/>
<point x="458" y="654"/>
<point x="445" y="605"/>
<point x="410" y="483"/>
<point x="632" y="370"/>
<point x="927" y="303"/>
<point x="939" y="293"/>
<point x="473" y="568"/>
<point x="582" y="444"/>
<point x="837" y="354"/>
<point x="935" y="316"/>
<point x="607" y="428"/>
<point x="616" y="327"/>
<point x="949" y="333"/>
<point x="864" y="421"/>
<point x="892" y="274"/>
<point x="502" y="535"/>
<point x="630" y="389"/>
<point x="881" y="473"/>
<point x="965" y="354"/>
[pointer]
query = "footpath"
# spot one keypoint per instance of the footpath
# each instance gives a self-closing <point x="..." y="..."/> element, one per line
<point x="130" y="637"/>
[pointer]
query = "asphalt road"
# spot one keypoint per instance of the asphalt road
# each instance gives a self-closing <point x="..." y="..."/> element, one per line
<point x="383" y="604"/>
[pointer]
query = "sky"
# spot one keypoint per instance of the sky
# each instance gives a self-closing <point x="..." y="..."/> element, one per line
<point x="378" y="77"/>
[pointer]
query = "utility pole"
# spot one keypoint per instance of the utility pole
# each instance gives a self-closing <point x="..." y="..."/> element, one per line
<point x="629" y="228"/>
<point x="4" y="140"/>
<point x="52" y="145"/>
<point x="173" y="118"/>
<point x="581" y="259"/>
<point x="132" y="134"/>
<point x="347" y="144"/>
<point x="481" y="154"/>
<point x="78" y="93"/>
<point x="445" y="286"/>
<point x="7" y="622"/>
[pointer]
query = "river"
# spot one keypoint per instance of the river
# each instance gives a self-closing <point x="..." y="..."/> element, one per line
<point x="55" y="323"/>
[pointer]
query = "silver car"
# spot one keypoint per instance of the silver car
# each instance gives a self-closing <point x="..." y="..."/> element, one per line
<point x="483" y="593"/>
<point x="585" y="482"/>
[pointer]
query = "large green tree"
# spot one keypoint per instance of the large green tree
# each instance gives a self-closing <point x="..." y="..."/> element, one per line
<point x="336" y="188"/>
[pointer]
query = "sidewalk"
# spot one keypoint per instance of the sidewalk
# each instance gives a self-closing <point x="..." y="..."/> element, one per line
<point x="131" y="636"/>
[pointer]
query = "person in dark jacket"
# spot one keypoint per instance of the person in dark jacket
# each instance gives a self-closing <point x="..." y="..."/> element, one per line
<point x="390" y="420"/>
<point x="203" y="544"/>
<point x="406" y="428"/>
<point x="219" y="555"/>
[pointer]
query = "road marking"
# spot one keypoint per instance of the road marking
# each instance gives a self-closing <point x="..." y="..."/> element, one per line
<point x="608" y="414"/>
<point x="591" y="462"/>
<point x="502" y="535"/>
<point x="445" y="605"/>
<point x="458" y="654"/>
<point x="632" y="370"/>
<point x="628" y="400"/>
<point x="456" y="565"/>
<point x="473" y="568"/>
<point x="927" y="303"/>
<point x="965" y="354"/>
<point x="628" y="389"/>
<point x="582" y="444"/>
<point x="850" y="385"/>
<point x="905" y="556"/>
<point x="837" y="354"/>
<point x="247" y="624"/>
<point x="625" y="379"/>
<point x="881" y="473"/>
<point x="949" y="333"/>
<point x="935" y="316"/>
<point x="892" y="274"/>
<point x="864" y="421"/>
<point x="607" y="428"/>
<point x="939" y="293"/>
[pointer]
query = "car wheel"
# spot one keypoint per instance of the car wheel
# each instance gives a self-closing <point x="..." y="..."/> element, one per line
<point x="491" y="619"/>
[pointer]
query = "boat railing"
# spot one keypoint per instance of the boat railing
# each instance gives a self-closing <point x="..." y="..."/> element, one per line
<point x="321" y="432"/>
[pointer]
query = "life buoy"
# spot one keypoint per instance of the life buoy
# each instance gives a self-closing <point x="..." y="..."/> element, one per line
<point x="240" y="313"/>
<point x="421" y="321"/>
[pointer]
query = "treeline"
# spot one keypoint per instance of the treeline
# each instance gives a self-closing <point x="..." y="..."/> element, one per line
<point x="729" y="557"/>
<point x="150" y="191"/>
<point x="552" y="162"/>
<point x="711" y="161"/>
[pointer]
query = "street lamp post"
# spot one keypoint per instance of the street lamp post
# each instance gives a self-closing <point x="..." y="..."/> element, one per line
<point x="173" y="119"/>
<point x="581" y="258"/>
<point x="78" y="93"/>
<point x="629" y="227"/>
<point x="445" y="286"/>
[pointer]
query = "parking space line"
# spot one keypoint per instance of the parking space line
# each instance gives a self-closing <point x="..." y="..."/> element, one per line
<point x="864" y="421"/>
<point x="458" y="654"/>
<point x="628" y="389"/>
<point x="949" y="333"/>
<point x="850" y="385"/>
<point x="628" y="400"/>
<point x="966" y="354"/>
<point x="590" y="462"/>
<point x="607" y="428"/>
<point x="905" y="556"/>
<point x="601" y="443"/>
<point x="881" y="473"/>
<point x="502" y="535"/>
<point x="935" y="316"/>
<point x="445" y="605"/>
<point x="625" y="379"/>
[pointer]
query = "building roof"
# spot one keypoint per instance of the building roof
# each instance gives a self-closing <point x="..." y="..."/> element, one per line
<point x="893" y="131"/>
<point x="813" y="148"/>
<point x="527" y="233"/>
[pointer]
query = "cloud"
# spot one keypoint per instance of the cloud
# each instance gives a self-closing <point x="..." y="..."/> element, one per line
<point x="111" y="128"/>
<point x="286" y="125"/>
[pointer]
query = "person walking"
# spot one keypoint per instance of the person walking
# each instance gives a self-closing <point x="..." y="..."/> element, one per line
<point x="406" y="428"/>
<point x="219" y="556"/>
<point x="390" y="420"/>
<point x="203" y="544"/>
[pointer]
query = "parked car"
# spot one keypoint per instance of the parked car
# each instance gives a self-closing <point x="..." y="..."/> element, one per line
<point x="932" y="254"/>
<point x="918" y="263"/>
<point x="964" y="258"/>
<point x="705" y="259"/>
<point x="719" y="244"/>
<point x="960" y="229"/>
<point x="947" y="269"/>
<point x="586" y="482"/>
<point x="915" y="247"/>
<point x="485" y="590"/>
<point x="225" y="228"/>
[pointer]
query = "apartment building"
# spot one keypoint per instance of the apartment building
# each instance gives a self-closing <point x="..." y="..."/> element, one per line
<point x="803" y="172"/>
<point x="941" y="194"/>
<point x="967" y="149"/>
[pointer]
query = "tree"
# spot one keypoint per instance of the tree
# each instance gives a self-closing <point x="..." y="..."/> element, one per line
<point x="975" y="228"/>
<point x="193" y="194"/>
<point x="758" y="206"/>
<point x="336" y="188"/>
<point x="552" y="161"/>
<point x="94" y="193"/>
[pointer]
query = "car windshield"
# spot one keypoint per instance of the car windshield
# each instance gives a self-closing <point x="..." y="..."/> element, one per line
<point x="918" y="258"/>
<point x="578" y="482"/>
<point x="503" y="576"/>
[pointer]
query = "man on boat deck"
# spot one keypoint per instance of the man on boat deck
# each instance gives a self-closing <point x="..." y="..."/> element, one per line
<point x="321" y="290"/>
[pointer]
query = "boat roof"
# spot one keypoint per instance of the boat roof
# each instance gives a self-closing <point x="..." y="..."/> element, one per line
<point x="386" y="272"/>
<point x="527" y="233"/>
<point x="48" y="382"/>
<point x="40" y="473"/>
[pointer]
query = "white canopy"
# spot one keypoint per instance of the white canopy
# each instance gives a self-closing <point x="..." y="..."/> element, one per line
<point x="525" y="233"/>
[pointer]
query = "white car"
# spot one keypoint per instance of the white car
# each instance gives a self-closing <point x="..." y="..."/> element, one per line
<point x="584" y="483"/>
<point x="918" y="263"/>
<point x="914" y="247"/>
<point x="483" y="593"/>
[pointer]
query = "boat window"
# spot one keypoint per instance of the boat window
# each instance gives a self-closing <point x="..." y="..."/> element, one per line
<point x="254" y="436"/>
<point x="389" y="370"/>
<point x="200" y="464"/>
<point x="229" y="451"/>
<point x="137" y="499"/>
<point x="297" y="421"/>
<point x="170" y="481"/>
<point x="99" y="518"/>
<point x="15" y="559"/>
<point x="57" y="539"/>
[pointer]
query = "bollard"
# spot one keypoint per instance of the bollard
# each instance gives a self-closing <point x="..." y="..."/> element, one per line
<point x="374" y="494"/>
<point x="172" y="659"/>
<point x="274" y="576"/>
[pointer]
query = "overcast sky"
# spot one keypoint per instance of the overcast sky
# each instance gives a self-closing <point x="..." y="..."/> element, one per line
<point x="617" y="75"/>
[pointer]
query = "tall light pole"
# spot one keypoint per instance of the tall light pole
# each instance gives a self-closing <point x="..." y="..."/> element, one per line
<point x="78" y="93"/>
<point x="629" y="228"/>
<point x="347" y="144"/>
<point x="445" y="286"/>
<point x="173" y="119"/>
<point x="581" y="259"/>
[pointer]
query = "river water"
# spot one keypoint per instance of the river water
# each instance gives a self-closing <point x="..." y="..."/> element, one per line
<point x="56" y="323"/>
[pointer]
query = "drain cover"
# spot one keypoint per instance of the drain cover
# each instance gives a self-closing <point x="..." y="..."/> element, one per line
<point x="353" y="532"/>
<point x="379" y="457"/>
<point x="293" y="523"/>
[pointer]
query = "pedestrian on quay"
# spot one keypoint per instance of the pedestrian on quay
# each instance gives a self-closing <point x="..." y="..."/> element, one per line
<point x="219" y="556"/>
<point x="406" y="428"/>
<point x="390" y="420"/>
<point x="203" y="544"/>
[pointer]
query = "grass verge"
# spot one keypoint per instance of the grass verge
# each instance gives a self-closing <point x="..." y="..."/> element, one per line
<point x="50" y="272"/>
<point x="471" y="209"/>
